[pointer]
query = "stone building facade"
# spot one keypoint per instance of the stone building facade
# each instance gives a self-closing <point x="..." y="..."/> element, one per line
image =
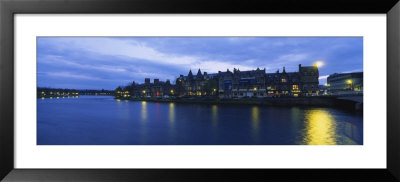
<point x="199" y="85"/>
<point x="156" y="89"/>
<point x="242" y="83"/>
<point x="341" y="82"/>
<point x="235" y="84"/>
<point x="258" y="83"/>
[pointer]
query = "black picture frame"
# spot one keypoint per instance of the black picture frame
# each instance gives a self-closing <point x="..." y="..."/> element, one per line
<point x="8" y="8"/>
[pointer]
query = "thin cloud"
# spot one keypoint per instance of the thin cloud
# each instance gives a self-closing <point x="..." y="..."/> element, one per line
<point x="71" y="75"/>
<point x="323" y="77"/>
<point x="59" y="60"/>
<point x="118" y="47"/>
<point x="350" y="71"/>
<point x="293" y="57"/>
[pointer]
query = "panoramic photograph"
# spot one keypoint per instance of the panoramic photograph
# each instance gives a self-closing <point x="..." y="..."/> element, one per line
<point x="199" y="90"/>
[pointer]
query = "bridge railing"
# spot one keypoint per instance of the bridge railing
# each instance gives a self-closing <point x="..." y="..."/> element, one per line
<point x="347" y="93"/>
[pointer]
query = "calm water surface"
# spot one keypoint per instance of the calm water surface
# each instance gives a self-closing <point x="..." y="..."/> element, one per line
<point x="102" y="120"/>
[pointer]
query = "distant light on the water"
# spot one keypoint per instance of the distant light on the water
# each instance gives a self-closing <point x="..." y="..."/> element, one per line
<point x="320" y="128"/>
<point x="171" y="112"/>
<point x="214" y="114"/>
<point x="144" y="111"/>
<point x="255" y="119"/>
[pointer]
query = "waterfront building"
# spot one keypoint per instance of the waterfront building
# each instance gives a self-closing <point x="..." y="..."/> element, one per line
<point x="234" y="84"/>
<point x="242" y="83"/>
<point x="199" y="85"/>
<point x="147" y="89"/>
<point x="344" y="83"/>
<point x="258" y="83"/>
<point x="252" y="83"/>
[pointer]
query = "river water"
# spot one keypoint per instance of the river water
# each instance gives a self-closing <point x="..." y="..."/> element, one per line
<point x="102" y="120"/>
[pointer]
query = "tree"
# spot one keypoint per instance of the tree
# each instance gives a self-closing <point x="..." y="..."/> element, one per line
<point x="118" y="91"/>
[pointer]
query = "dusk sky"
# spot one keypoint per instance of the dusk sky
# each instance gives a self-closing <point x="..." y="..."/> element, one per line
<point x="107" y="62"/>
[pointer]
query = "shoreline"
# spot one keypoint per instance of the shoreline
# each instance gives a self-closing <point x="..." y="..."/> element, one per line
<point x="281" y="101"/>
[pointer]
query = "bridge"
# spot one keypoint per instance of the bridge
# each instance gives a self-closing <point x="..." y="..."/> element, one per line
<point x="357" y="100"/>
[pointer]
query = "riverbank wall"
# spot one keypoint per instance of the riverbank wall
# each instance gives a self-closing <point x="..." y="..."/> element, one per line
<point x="282" y="101"/>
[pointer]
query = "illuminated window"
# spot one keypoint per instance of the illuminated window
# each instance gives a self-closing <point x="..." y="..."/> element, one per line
<point x="283" y="80"/>
<point x="295" y="87"/>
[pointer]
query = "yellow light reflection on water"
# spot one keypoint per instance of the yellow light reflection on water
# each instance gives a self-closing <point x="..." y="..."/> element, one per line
<point x="214" y="114"/>
<point x="171" y="112"/>
<point x="320" y="128"/>
<point x="144" y="110"/>
<point x="255" y="118"/>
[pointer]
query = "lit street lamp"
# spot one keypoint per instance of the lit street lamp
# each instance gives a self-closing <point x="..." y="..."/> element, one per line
<point x="350" y="82"/>
<point x="318" y="64"/>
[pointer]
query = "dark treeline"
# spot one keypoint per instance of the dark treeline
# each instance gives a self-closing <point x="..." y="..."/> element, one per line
<point x="49" y="92"/>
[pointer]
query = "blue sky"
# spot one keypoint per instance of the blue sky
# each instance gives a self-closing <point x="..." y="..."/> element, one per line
<point x="107" y="62"/>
